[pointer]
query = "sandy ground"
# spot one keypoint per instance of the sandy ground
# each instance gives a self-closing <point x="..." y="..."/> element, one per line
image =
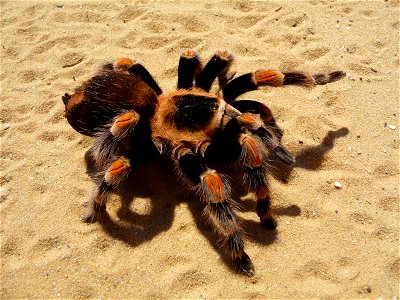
<point x="330" y="242"/>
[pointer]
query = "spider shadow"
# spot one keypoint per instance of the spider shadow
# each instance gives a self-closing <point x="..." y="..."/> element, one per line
<point x="149" y="182"/>
<point x="310" y="158"/>
<point x="154" y="182"/>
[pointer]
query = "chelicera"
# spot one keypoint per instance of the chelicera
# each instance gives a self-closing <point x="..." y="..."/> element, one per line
<point x="133" y="122"/>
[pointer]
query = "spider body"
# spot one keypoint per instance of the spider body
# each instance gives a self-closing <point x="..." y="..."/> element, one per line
<point x="133" y="121"/>
<point x="112" y="88"/>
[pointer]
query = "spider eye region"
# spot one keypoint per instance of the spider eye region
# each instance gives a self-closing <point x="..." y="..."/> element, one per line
<point x="194" y="112"/>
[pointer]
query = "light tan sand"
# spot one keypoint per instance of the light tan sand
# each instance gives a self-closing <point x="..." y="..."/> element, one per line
<point x="330" y="243"/>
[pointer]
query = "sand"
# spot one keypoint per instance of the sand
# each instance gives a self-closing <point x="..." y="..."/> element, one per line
<point x="330" y="242"/>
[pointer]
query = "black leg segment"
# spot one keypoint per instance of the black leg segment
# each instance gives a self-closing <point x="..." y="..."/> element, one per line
<point x="192" y="166"/>
<point x="238" y="86"/>
<point x="189" y="68"/>
<point x="217" y="67"/>
<point x="143" y="74"/>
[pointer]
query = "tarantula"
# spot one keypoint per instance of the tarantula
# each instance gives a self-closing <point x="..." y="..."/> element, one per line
<point x="133" y="121"/>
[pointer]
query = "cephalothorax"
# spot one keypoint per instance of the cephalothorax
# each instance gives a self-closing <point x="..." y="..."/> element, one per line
<point x="133" y="121"/>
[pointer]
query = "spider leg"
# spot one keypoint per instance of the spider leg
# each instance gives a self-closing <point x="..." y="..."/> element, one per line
<point x="124" y="123"/>
<point x="252" y="81"/>
<point x="263" y="111"/>
<point x="252" y="123"/>
<point x="218" y="66"/>
<point x="215" y="193"/>
<point x="242" y="131"/>
<point x="255" y="125"/>
<point x="107" y="180"/>
<point x="113" y="141"/>
<point x="253" y="158"/>
<point x="189" y="68"/>
<point x="254" y="139"/>
<point x="143" y="74"/>
<point x="126" y="64"/>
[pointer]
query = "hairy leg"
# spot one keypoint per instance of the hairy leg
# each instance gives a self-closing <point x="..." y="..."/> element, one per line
<point x="218" y="66"/>
<point x="252" y="81"/>
<point x="255" y="107"/>
<point x="215" y="193"/>
<point x="114" y="139"/>
<point x="253" y="159"/>
<point x="189" y="68"/>
<point x="252" y="124"/>
<point x="107" y="180"/>
<point x="126" y="64"/>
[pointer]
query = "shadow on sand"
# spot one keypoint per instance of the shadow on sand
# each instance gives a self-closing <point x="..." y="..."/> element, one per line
<point x="156" y="181"/>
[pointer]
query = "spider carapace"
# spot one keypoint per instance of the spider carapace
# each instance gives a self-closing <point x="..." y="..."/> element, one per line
<point x="133" y="121"/>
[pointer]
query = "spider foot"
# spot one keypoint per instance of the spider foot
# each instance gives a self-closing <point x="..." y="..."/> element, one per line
<point x="284" y="155"/>
<point x="325" y="78"/>
<point x="95" y="212"/>
<point x="244" y="264"/>
<point x="269" y="223"/>
<point x="263" y="209"/>
<point x="89" y="218"/>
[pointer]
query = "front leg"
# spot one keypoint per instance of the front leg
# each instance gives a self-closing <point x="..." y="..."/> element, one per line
<point x="214" y="191"/>
<point x="258" y="108"/>
<point x="254" y="124"/>
<point x="248" y="132"/>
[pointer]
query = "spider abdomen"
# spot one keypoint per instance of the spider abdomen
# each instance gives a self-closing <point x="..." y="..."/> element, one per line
<point x="95" y="104"/>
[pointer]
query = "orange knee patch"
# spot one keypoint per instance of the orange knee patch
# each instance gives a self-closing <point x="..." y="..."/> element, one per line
<point x="262" y="193"/>
<point x="269" y="77"/>
<point x="253" y="151"/>
<point x="123" y="62"/>
<point x="214" y="184"/>
<point x="123" y="123"/>
<point x="127" y="119"/>
<point x="117" y="169"/>
<point x="247" y="118"/>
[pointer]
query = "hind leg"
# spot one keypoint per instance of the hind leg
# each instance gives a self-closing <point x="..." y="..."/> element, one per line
<point x="252" y="81"/>
<point x="126" y="64"/>
<point x="107" y="180"/>
<point x="112" y="142"/>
